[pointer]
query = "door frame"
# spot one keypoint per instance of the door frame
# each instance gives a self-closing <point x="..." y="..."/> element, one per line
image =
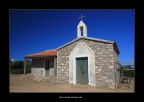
<point x="74" y="69"/>
<point x="81" y="70"/>
<point x="88" y="52"/>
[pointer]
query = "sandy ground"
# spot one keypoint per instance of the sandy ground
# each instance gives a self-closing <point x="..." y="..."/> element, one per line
<point x="20" y="84"/>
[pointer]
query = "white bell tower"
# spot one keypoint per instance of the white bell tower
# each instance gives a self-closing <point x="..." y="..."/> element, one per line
<point x="81" y="28"/>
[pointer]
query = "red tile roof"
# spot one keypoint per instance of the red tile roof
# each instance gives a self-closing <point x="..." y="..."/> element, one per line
<point x="46" y="53"/>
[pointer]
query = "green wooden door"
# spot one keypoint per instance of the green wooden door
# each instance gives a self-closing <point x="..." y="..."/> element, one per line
<point x="82" y="70"/>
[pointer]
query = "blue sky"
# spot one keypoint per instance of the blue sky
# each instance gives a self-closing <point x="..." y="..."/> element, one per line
<point x="33" y="31"/>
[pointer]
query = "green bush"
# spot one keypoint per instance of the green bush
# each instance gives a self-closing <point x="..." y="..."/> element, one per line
<point x="128" y="73"/>
<point x="16" y="71"/>
<point x="17" y="67"/>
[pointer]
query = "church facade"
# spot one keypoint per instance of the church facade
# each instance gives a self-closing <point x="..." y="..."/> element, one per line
<point x="84" y="60"/>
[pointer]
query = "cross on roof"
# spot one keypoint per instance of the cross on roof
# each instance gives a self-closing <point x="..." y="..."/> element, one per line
<point x="81" y="17"/>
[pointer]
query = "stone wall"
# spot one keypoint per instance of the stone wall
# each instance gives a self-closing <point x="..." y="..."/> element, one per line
<point x="38" y="69"/>
<point x="51" y="72"/>
<point x="104" y="62"/>
<point x="117" y="67"/>
<point x="38" y="72"/>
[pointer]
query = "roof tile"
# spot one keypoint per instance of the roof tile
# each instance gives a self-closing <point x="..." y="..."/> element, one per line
<point x="45" y="53"/>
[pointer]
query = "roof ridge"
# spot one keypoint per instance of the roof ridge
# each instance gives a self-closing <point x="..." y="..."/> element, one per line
<point x="89" y="38"/>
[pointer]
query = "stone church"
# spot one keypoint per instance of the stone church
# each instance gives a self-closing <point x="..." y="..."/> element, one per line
<point x="84" y="60"/>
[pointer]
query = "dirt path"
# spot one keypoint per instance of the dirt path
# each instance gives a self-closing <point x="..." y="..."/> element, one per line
<point x="19" y="84"/>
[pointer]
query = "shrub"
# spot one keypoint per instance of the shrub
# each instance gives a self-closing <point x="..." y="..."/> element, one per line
<point x="16" y="71"/>
<point x="128" y="73"/>
<point x="18" y="67"/>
